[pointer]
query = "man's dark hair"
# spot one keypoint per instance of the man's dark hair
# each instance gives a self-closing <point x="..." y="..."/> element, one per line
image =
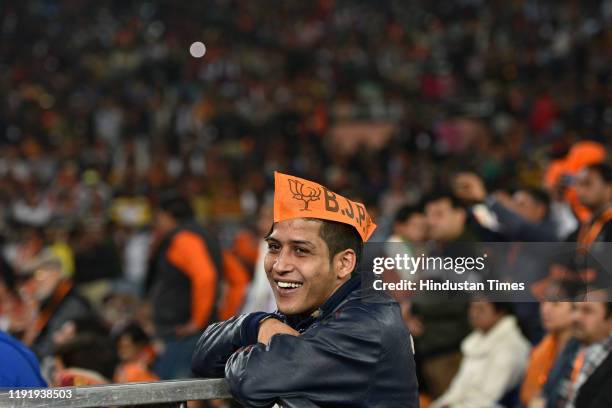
<point x="603" y="169"/>
<point x="406" y="212"/>
<point x="455" y="202"/>
<point x="7" y="275"/>
<point x="91" y="325"/>
<point x="503" y="308"/>
<point x="178" y="207"/>
<point x="135" y="333"/>
<point x="539" y="195"/>
<point x="78" y="353"/>
<point x="338" y="236"/>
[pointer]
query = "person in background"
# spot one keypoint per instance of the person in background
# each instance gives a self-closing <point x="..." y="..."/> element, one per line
<point x="57" y="303"/>
<point x="439" y="326"/>
<point x="594" y="191"/>
<point x="136" y="354"/>
<point x="13" y="311"/>
<point x="184" y="281"/>
<point x="19" y="366"/>
<point x="409" y="229"/>
<point x="84" y="360"/>
<point x="96" y="258"/>
<point x="260" y="296"/>
<point x="557" y="320"/>
<point x="91" y="325"/>
<point x="581" y="378"/>
<point x="409" y="237"/>
<point x="594" y="382"/>
<point x="494" y="357"/>
<point x="469" y="187"/>
<point x="582" y="270"/>
<point x="524" y="216"/>
<point x="561" y="175"/>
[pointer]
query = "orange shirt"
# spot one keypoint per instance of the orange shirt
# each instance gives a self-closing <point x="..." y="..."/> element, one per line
<point x="134" y="372"/>
<point x="138" y="369"/>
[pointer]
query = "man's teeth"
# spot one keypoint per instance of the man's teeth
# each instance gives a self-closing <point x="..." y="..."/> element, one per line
<point x="288" y="285"/>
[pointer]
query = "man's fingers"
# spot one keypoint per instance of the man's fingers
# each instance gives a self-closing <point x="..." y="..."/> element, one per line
<point x="270" y="327"/>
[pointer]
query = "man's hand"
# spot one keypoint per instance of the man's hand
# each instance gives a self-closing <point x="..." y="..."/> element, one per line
<point x="270" y="327"/>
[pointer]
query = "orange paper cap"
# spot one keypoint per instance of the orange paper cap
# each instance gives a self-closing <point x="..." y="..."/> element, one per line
<point x="295" y="197"/>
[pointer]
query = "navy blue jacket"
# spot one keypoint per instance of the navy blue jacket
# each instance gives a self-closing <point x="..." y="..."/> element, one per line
<point x="354" y="351"/>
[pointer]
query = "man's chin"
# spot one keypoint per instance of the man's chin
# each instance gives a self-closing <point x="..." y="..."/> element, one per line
<point x="290" y="309"/>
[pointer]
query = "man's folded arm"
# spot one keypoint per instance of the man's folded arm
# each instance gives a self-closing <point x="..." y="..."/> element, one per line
<point x="220" y="340"/>
<point x="330" y="362"/>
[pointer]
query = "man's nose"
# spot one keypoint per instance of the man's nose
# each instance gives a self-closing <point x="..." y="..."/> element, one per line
<point x="575" y="316"/>
<point x="283" y="262"/>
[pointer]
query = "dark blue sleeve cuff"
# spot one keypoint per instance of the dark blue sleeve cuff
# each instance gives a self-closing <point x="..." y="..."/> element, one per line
<point x="250" y="327"/>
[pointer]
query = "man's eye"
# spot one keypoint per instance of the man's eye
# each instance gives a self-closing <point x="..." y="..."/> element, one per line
<point x="301" y="251"/>
<point x="273" y="247"/>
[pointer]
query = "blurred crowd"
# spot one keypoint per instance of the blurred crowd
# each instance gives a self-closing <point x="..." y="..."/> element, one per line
<point x="453" y="121"/>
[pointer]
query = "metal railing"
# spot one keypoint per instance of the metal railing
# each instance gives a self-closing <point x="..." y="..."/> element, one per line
<point x="173" y="393"/>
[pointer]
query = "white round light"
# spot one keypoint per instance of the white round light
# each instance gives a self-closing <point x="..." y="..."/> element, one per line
<point x="197" y="49"/>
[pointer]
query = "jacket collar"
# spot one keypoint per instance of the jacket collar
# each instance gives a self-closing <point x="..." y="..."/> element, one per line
<point x="303" y="322"/>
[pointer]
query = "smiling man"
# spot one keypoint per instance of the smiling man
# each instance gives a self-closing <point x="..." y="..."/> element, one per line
<point x="331" y="342"/>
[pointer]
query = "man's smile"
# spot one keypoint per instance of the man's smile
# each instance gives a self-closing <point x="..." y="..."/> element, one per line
<point x="287" y="287"/>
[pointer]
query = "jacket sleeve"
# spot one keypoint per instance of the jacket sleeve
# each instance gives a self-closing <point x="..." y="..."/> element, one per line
<point x="220" y="340"/>
<point x="332" y="361"/>
<point x="520" y="229"/>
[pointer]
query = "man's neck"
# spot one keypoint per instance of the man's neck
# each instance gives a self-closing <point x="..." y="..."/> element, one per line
<point x="598" y="210"/>
<point x="563" y="337"/>
<point x="598" y="340"/>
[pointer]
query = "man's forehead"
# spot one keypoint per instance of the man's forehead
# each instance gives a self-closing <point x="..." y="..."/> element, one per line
<point x="440" y="203"/>
<point x="297" y="229"/>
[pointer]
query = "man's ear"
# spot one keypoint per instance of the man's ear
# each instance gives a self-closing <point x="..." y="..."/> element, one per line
<point x="344" y="263"/>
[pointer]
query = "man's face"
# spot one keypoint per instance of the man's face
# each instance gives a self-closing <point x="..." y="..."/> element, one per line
<point x="127" y="349"/>
<point x="589" y="322"/>
<point x="298" y="267"/>
<point x="445" y="222"/>
<point x="469" y="187"/>
<point x="164" y="222"/>
<point x="44" y="281"/>
<point x="414" y="229"/>
<point x="592" y="190"/>
<point x="527" y="207"/>
<point x="556" y="316"/>
<point x="482" y="315"/>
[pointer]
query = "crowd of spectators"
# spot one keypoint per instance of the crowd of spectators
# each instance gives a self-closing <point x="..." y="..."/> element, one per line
<point x="465" y="120"/>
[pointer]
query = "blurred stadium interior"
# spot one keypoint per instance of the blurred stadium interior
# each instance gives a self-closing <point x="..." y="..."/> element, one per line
<point x="104" y="113"/>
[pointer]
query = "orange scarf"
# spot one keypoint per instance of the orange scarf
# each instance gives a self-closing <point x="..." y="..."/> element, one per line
<point x="540" y="363"/>
<point x="589" y="231"/>
<point x="47" y="312"/>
